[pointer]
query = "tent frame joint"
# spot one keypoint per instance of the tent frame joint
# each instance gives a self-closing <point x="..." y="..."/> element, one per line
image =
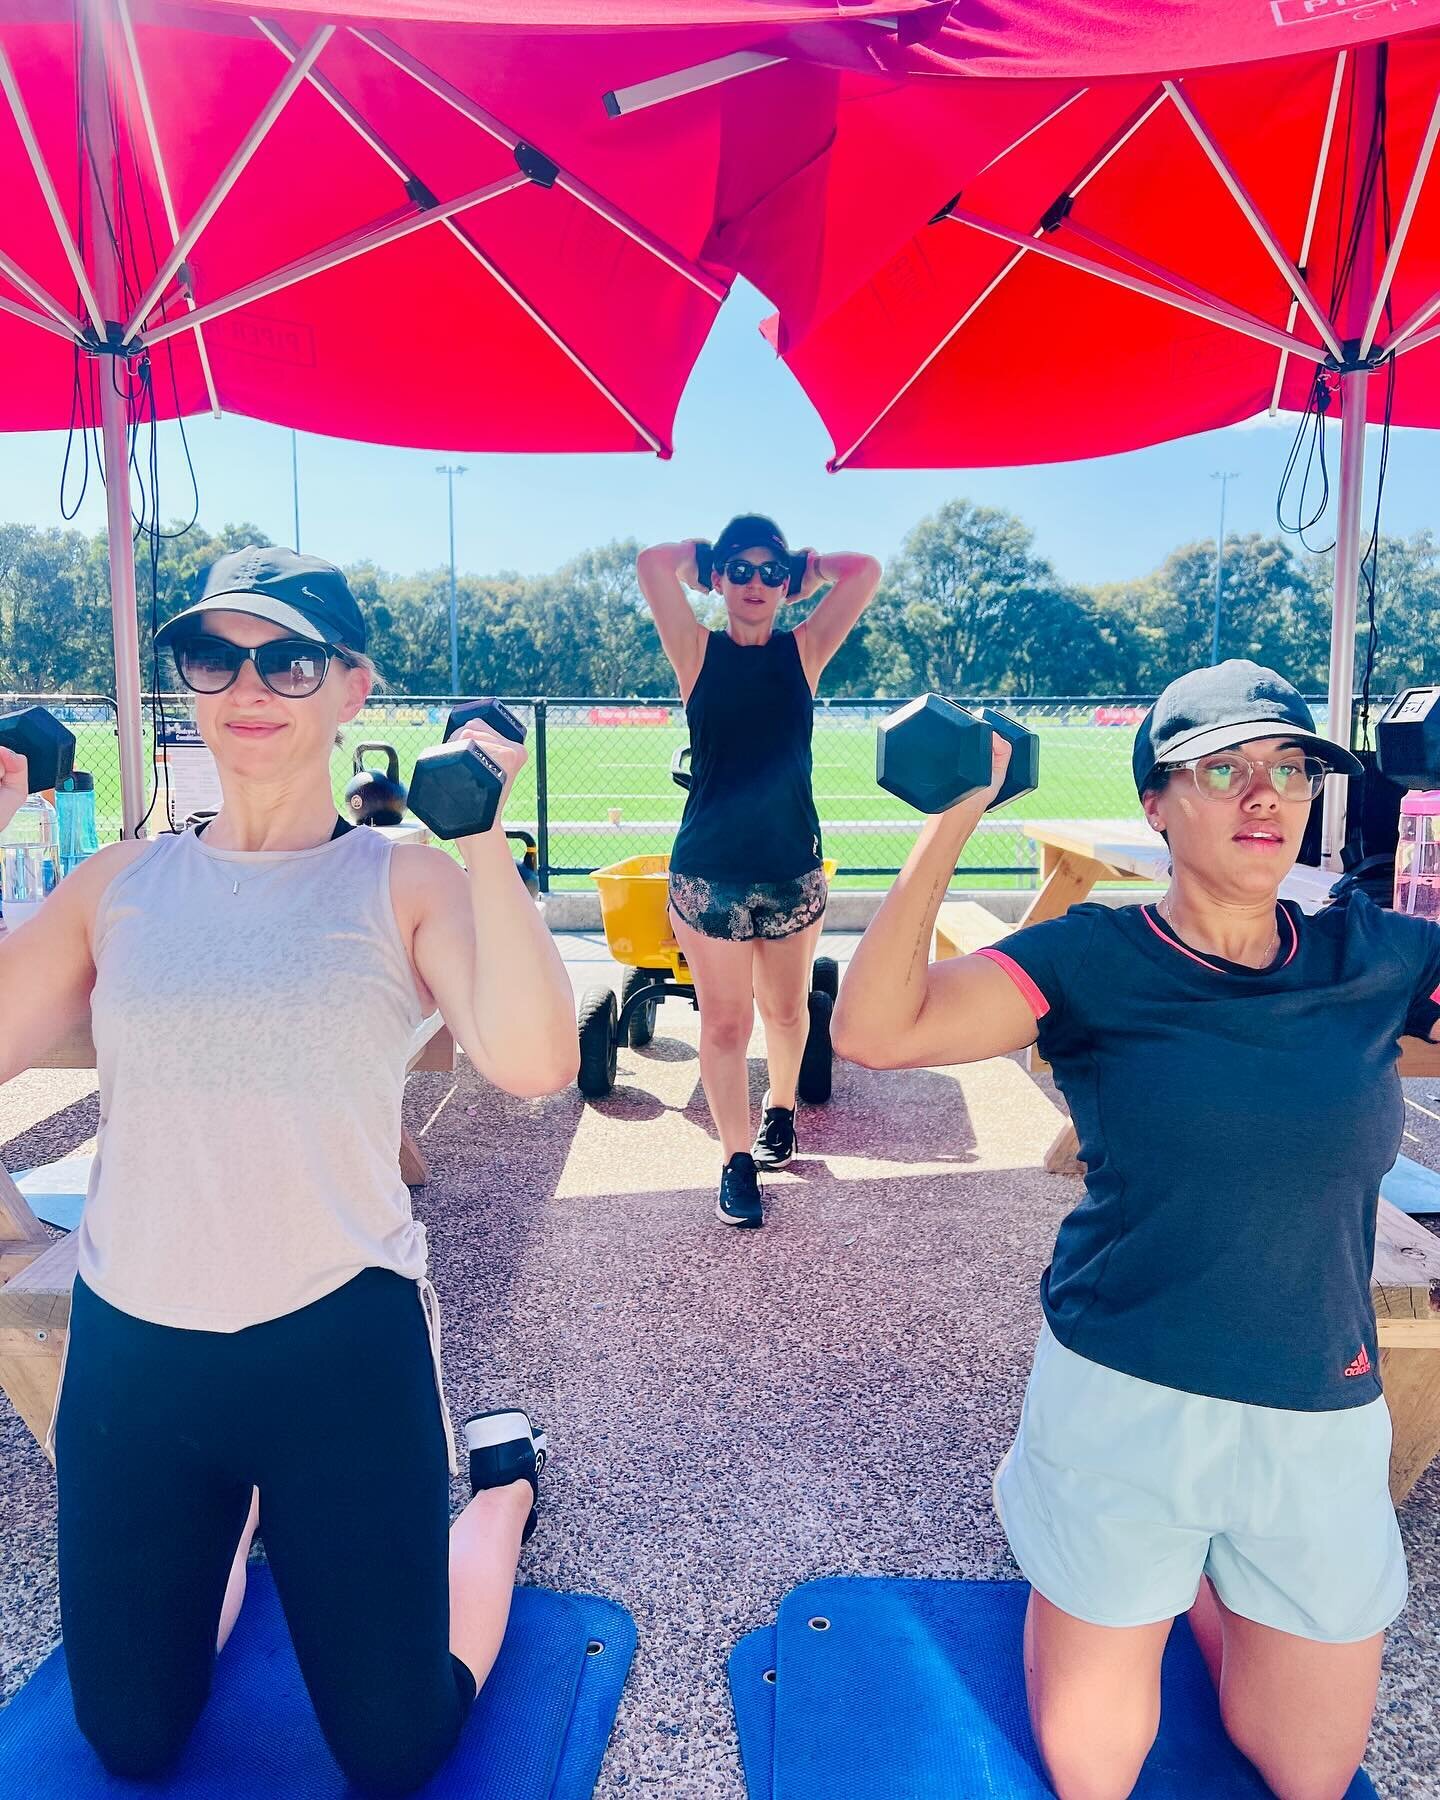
<point x="1353" y="362"/>
<point x="1057" y="214"/>
<point x="114" y="343"/>
<point x="424" y="199"/>
<point x="543" y="170"/>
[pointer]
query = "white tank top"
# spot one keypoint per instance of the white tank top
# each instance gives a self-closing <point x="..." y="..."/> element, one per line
<point x="253" y="1015"/>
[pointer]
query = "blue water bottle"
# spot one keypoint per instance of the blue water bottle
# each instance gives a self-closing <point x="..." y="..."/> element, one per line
<point x="75" y="805"/>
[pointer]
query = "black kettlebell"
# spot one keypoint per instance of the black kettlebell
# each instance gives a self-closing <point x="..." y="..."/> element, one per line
<point x="373" y="797"/>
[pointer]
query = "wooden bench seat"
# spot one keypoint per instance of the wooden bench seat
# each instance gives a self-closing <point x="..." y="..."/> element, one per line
<point x="964" y="926"/>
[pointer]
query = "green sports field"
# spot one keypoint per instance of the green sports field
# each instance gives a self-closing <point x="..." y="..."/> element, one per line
<point x="595" y="770"/>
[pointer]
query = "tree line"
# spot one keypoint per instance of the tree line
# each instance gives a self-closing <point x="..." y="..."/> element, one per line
<point x="966" y="607"/>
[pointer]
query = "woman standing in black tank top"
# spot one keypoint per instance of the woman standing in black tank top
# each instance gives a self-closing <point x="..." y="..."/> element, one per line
<point x="747" y="891"/>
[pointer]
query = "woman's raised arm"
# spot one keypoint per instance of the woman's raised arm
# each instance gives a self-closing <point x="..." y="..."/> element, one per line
<point x="854" y="580"/>
<point x="897" y="1009"/>
<point x="664" y="571"/>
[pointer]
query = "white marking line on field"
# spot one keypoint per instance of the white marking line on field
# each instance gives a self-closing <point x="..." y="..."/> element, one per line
<point x="455" y="1089"/>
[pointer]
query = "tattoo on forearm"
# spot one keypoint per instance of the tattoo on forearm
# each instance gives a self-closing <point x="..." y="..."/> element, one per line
<point x="920" y="956"/>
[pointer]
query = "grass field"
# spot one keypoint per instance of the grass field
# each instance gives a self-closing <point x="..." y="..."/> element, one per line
<point x="594" y="769"/>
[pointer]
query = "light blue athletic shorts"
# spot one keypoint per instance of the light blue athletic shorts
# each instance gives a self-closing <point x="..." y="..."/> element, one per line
<point x="1119" y="1494"/>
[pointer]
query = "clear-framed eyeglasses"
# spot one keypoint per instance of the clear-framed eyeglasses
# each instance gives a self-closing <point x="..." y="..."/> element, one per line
<point x="1227" y="775"/>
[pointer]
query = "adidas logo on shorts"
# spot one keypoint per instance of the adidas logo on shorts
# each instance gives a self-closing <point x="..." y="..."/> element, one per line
<point x="1361" y="1364"/>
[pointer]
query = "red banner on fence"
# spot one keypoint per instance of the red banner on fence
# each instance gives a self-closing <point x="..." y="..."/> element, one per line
<point x="1119" y="715"/>
<point x="629" y="715"/>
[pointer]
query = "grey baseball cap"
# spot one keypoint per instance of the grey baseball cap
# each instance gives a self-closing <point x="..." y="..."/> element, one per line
<point x="301" y="593"/>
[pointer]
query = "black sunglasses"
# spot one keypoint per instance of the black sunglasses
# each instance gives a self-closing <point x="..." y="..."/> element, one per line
<point x="293" y="668"/>
<point x="774" y="573"/>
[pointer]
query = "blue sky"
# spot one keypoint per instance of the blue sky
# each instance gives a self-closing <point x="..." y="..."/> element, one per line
<point x="746" y="438"/>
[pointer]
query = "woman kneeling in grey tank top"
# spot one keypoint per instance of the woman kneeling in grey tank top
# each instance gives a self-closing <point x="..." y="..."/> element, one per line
<point x="254" y="1338"/>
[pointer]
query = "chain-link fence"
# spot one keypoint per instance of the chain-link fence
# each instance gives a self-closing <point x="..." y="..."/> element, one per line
<point x="597" y="786"/>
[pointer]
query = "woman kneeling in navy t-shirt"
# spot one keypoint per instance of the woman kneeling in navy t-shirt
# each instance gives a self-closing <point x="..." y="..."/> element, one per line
<point x="1203" y="1425"/>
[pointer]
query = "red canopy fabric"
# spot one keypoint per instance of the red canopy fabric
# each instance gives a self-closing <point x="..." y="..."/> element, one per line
<point x="928" y="342"/>
<point x="1101" y="38"/>
<point x="419" y="342"/>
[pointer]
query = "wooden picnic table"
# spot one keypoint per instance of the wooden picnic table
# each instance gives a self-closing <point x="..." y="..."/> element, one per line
<point x="1075" y="854"/>
<point x="36" y="1270"/>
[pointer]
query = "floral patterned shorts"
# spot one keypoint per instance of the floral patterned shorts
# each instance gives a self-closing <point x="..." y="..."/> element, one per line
<point x="741" y="910"/>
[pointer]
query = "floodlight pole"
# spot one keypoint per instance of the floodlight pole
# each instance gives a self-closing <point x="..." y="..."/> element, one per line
<point x="450" y="471"/>
<point x="125" y="625"/>
<point x="1224" y="477"/>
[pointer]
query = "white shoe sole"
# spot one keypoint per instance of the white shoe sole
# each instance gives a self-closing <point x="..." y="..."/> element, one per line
<point x="739" y="1224"/>
<point x="490" y="1430"/>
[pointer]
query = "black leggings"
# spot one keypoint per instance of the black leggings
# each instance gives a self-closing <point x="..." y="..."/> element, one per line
<point x="332" y="1413"/>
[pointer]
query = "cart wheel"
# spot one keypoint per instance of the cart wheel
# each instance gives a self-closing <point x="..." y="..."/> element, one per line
<point x="642" y="1021"/>
<point x="599" y="1045"/>
<point x="826" y="976"/>
<point x="815" y="1065"/>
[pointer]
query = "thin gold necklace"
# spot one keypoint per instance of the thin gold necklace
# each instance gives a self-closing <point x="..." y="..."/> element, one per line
<point x="1162" y="906"/>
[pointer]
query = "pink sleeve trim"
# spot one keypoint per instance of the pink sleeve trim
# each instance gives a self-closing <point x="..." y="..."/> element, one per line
<point x="1435" y="997"/>
<point x="1034" y="999"/>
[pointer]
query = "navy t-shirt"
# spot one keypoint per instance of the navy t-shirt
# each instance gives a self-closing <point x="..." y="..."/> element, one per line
<point x="1235" y="1125"/>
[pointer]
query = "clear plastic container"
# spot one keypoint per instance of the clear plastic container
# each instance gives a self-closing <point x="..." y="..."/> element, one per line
<point x="75" y="809"/>
<point x="1417" y="855"/>
<point x="29" y="860"/>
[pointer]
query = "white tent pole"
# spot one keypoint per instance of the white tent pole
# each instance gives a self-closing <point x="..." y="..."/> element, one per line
<point x="1402" y="228"/>
<point x="1354" y="386"/>
<point x="1217" y="311"/>
<point x="1256" y="220"/>
<point x="124" y="620"/>
<point x="568" y="183"/>
<point x="43" y="320"/>
<point x="11" y="89"/>
<point x="687" y="81"/>
<point x="346" y="249"/>
<point x="232" y="172"/>
<point x="1353" y="391"/>
<point x="358" y="124"/>
<point x="1312" y="212"/>
<point x="147" y="115"/>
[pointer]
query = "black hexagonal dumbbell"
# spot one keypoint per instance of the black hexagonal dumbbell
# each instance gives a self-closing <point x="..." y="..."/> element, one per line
<point x="47" y="745"/>
<point x="456" y="787"/>
<point x="933" y="753"/>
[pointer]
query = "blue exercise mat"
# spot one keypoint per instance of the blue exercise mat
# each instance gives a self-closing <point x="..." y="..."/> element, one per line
<point x="752" y="1691"/>
<point x="538" y="1730"/>
<point x="914" y="1690"/>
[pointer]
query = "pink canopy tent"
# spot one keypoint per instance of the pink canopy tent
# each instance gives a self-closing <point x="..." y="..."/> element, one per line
<point x="404" y="222"/>
<point x="1089" y="227"/>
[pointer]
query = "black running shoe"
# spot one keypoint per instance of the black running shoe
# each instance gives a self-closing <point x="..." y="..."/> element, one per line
<point x="775" y="1143"/>
<point x="505" y="1447"/>
<point x="739" y="1201"/>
